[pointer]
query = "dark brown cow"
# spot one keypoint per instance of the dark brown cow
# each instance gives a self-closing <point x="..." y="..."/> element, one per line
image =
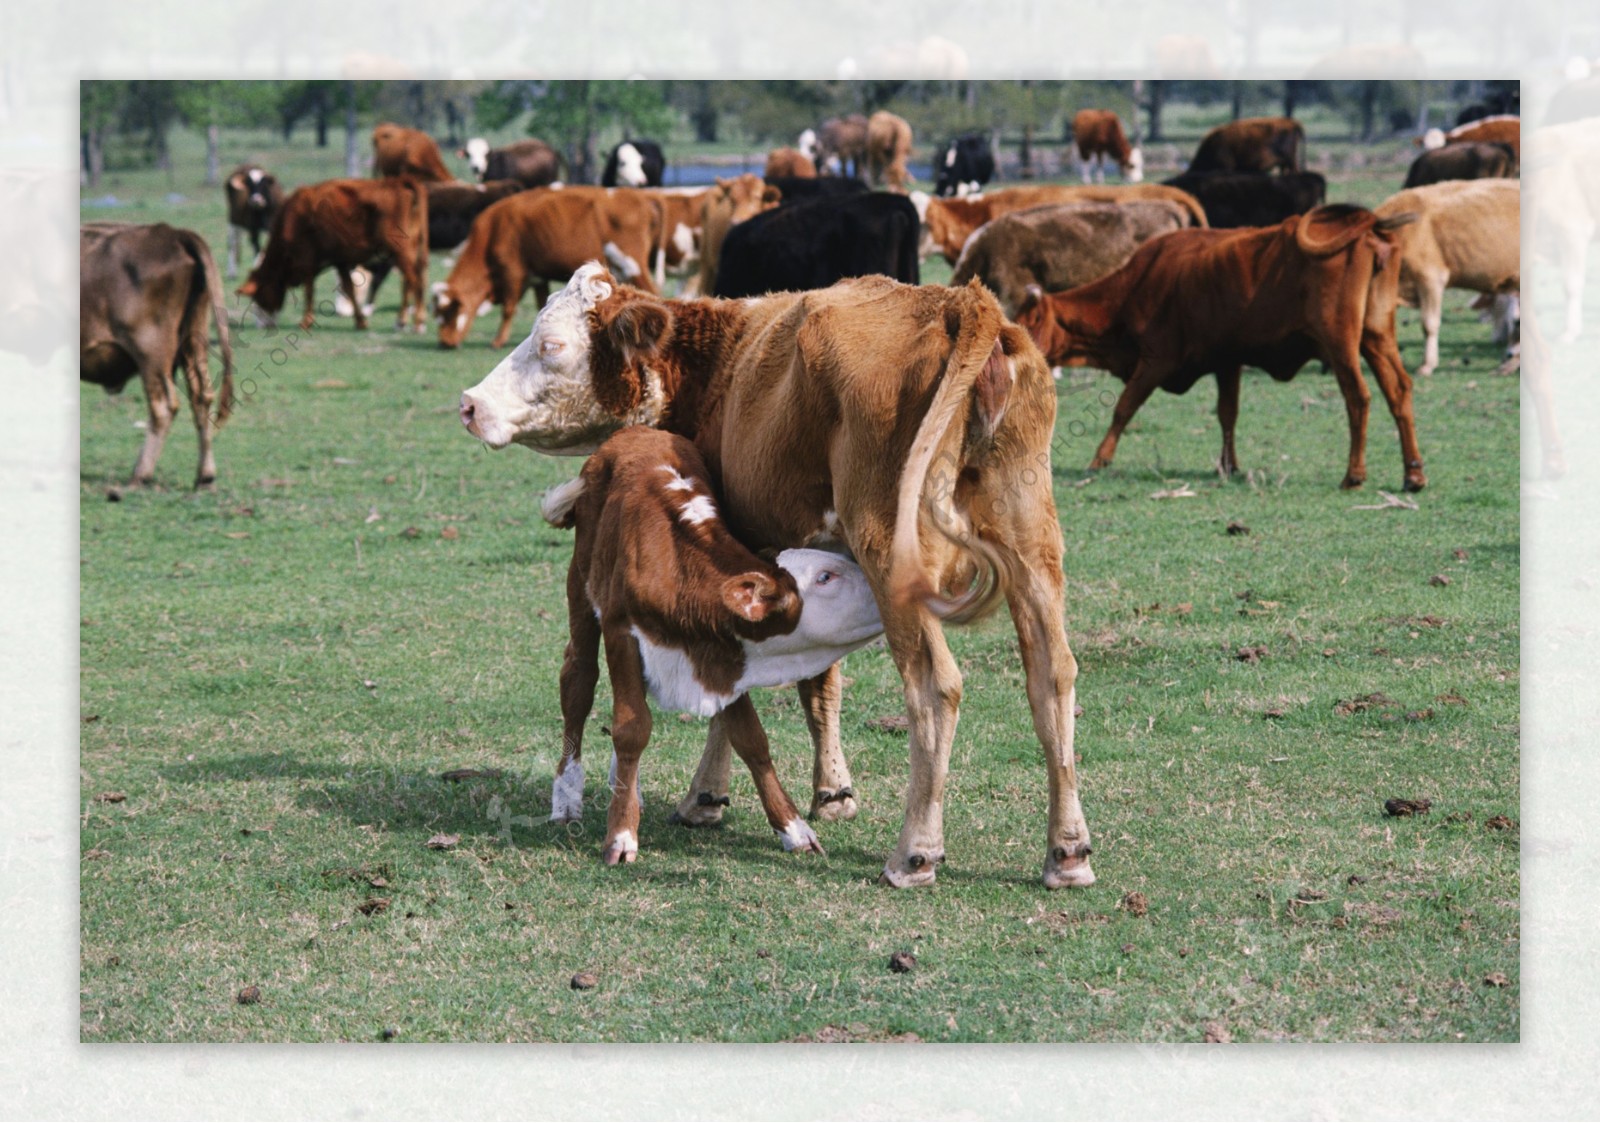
<point x="1099" y="136"/>
<point x="842" y="139"/>
<point x="147" y="295"/>
<point x="399" y="151"/>
<point x="254" y="196"/>
<point x="1252" y="144"/>
<point x="1197" y="302"/>
<point x="1505" y="129"/>
<point x="531" y="162"/>
<point x="1462" y="160"/>
<point x="345" y="223"/>
<point x="688" y="615"/>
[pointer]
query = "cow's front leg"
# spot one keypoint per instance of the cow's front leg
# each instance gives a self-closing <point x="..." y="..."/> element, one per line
<point x="1140" y="386"/>
<point x="708" y="791"/>
<point x="347" y="283"/>
<point x="1228" y="417"/>
<point x="308" y="318"/>
<point x="833" y="796"/>
<point x="630" y="732"/>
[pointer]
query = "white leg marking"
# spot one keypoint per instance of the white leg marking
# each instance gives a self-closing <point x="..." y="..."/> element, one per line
<point x="798" y="835"/>
<point x="566" y="794"/>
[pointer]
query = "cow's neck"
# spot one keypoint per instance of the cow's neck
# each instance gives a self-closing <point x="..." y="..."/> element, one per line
<point x="694" y="364"/>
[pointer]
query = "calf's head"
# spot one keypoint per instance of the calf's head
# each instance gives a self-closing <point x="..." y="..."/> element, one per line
<point x="582" y="373"/>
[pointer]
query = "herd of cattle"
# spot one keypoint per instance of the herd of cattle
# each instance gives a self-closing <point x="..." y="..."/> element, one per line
<point x="841" y="406"/>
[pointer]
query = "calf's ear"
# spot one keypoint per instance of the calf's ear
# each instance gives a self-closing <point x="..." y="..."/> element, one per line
<point x="753" y="595"/>
<point x="623" y="334"/>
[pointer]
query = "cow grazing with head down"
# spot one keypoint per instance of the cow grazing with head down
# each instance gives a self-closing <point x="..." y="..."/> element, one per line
<point x="789" y="163"/>
<point x="634" y="163"/>
<point x="689" y="616"/>
<point x="1099" y="137"/>
<point x="1234" y="199"/>
<point x="813" y="243"/>
<point x="399" y="151"/>
<point x="345" y="223"/>
<point x="254" y="196"/>
<point x="888" y="149"/>
<point x="146" y="300"/>
<point x="963" y="166"/>
<point x="910" y="424"/>
<point x="1197" y="302"/>
<point x="531" y="162"/>
<point x="1252" y="144"/>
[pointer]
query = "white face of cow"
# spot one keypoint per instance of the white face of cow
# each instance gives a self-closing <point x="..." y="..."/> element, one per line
<point x="838" y="614"/>
<point x="1433" y="138"/>
<point x="477" y="152"/>
<point x="807" y="144"/>
<point x="630" y="166"/>
<point x="541" y="394"/>
<point x="1134" y="172"/>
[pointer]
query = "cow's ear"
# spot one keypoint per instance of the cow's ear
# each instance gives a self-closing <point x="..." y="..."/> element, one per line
<point x="621" y="336"/>
<point x="236" y="183"/>
<point x="771" y="196"/>
<point x="753" y="595"/>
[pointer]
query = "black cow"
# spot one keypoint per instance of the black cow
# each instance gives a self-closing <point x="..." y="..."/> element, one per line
<point x="451" y="210"/>
<point x="815" y="242"/>
<point x="794" y="188"/>
<point x="634" y="163"/>
<point x="1235" y="199"/>
<point x="1463" y="160"/>
<point x="967" y="161"/>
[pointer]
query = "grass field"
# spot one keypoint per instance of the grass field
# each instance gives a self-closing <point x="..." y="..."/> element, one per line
<point x="276" y="675"/>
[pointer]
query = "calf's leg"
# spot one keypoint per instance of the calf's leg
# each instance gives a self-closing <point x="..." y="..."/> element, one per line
<point x="580" y="670"/>
<point x="750" y="742"/>
<point x="630" y="733"/>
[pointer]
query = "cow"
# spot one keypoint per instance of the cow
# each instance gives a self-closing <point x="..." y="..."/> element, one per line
<point x="813" y="243"/>
<point x="1234" y="199"/>
<point x="1098" y="135"/>
<point x="634" y="163"/>
<point x="910" y="424"/>
<point x="1467" y="235"/>
<point x="399" y="151"/>
<point x="345" y="223"/>
<point x="1504" y="129"/>
<point x="841" y="145"/>
<point x="688" y="616"/>
<point x="1196" y="302"/>
<point x="792" y="189"/>
<point x="789" y="163"/>
<point x="146" y="299"/>
<point x="963" y="166"/>
<point x="539" y="236"/>
<point x="531" y="162"/>
<point x="1462" y="160"/>
<point x="729" y="203"/>
<point x="1060" y="246"/>
<point x="452" y="209"/>
<point x="888" y="148"/>
<point x="948" y="223"/>
<point x="38" y="212"/>
<point x="682" y="218"/>
<point x="1252" y="144"/>
<point x="254" y="196"/>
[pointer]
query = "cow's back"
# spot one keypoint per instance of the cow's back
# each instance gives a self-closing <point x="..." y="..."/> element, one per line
<point x="1475" y="224"/>
<point x="813" y="243"/>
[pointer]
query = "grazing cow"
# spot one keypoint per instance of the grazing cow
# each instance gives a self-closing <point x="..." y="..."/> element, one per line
<point x="452" y="209"/>
<point x="1462" y="160"/>
<point x="345" y="223"/>
<point x="688" y="615"/>
<point x="38" y="210"/>
<point x="1234" y="199"/>
<point x="888" y="148"/>
<point x="146" y="299"/>
<point x="1504" y="129"/>
<point x="539" y="236"/>
<point x="789" y="163"/>
<point x="254" y="196"/>
<point x="399" y="151"/>
<point x="1252" y="144"/>
<point x="813" y="243"/>
<point x="532" y="162"/>
<point x="1060" y="246"/>
<point x="1099" y="137"/>
<point x="963" y="166"/>
<point x="911" y="424"/>
<point x="948" y="223"/>
<point x="841" y="145"/>
<point x="1197" y="302"/>
<point x="1467" y="235"/>
<point x="726" y="205"/>
<point x="634" y="163"/>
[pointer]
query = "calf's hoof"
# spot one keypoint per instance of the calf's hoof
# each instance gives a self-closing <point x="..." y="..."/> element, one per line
<point x="1098" y="463"/>
<point x="699" y="809"/>
<point x="798" y="836"/>
<point x="621" y="852"/>
<point x="910" y="870"/>
<point x="1068" y="867"/>
<point x="834" y="806"/>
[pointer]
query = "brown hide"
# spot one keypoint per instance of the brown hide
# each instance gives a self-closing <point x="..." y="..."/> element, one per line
<point x="1099" y="132"/>
<point x="397" y="151"/>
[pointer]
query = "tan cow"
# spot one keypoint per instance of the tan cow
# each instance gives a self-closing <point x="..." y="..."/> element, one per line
<point x="397" y="150"/>
<point x="725" y="206"/>
<point x="888" y="148"/>
<point x="911" y="424"/>
<point x="1467" y="235"/>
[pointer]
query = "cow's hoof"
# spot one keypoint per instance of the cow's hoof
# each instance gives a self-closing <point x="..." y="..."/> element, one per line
<point x="1097" y="463"/>
<point x="1068" y="868"/>
<point x="910" y="871"/>
<point x="1416" y="482"/>
<point x="617" y="854"/>
<point x="700" y="809"/>
<point x="206" y="483"/>
<point x="834" y="806"/>
<point x="565" y="817"/>
<point x="1349" y="483"/>
<point x="798" y="835"/>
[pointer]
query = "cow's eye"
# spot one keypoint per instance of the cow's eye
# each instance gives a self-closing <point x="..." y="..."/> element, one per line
<point x="550" y="348"/>
<point x="825" y="576"/>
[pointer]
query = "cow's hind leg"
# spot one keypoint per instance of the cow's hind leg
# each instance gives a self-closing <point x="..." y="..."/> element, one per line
<point x="750" y="742"/>
<point x="1383" y="356"/>
<point x="1228" y="416"/>
<point x="833" y="796"/>
<point x="161" y="400"/>
<point x="630" y="733"/>
<point x="347" y="285"/>
<point x="197" y="378"/>
<point x="1430" y="303"/>
<point x="708" y="791"/>
<point x="580" y="670"/>
<point x="933" y="704"/>
<point x="1357" y="403"/>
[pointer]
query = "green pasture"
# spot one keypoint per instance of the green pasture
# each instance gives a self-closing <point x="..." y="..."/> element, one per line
<point x="276" y="676"/>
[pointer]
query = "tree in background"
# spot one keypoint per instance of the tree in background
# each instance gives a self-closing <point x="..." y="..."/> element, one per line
<point x="208" y="106"/>
<point x="573" y="115"/>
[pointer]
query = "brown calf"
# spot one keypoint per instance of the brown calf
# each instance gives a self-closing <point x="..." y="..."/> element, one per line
<point x="254" y="196"/>
<point x="726" y="205"/>
<point x="1196" y="302"/>
<point x="397" y="150"/>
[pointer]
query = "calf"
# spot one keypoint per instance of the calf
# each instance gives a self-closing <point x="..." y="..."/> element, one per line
<point x="344" y="223"/>
<point x="146" y="298"/>
<point x="1234" y="199"/>
<point x="1462" y="160"/>
<point x="963" y="166"/>
<point x="1099" y="137"/>
<point x="1252" y="144"/>
<point x="812" y="244"/>
<point x="1060" y="246"/>
<point x="634" y="163"/>
<point x="1196" y="302"/>
<point x="688" y="615"/>
<point x="539" y="236"/>
<point x="531" y="162"/>
<point x="399" y="151"/>
<point x="789" y="162"/>
<point x="254" y="196"/>
<point x="888" y="148"/>
<point x="1467" y="235"/>
<point x="682" y="219"/>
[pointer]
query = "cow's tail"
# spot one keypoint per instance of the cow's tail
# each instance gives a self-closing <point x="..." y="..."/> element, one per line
<point x="977" y="374"/>
<point x="219" y="313"/>
<point x="1348" y="223"/>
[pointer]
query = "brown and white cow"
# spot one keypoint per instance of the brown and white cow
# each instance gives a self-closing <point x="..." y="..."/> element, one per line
<point x="531" y="162"/>
<point x="689" y="616"/>
<point x="682" y="216"/>
<point x="1099" y="137"/>
<point x="254" y="196"/>
<point x="1252" y="144"/>
<point x="786" y="162"/>
<point x="345" y="223"/>
<point x="1503" y="129"/>
<point x="888" y="149"/>
<point x="1197" y="302"/>
<point x="397" y="151"/>
<point x="544" y="235"/>
<point x="911" y="424"/>
<point x="146" y="299"/>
